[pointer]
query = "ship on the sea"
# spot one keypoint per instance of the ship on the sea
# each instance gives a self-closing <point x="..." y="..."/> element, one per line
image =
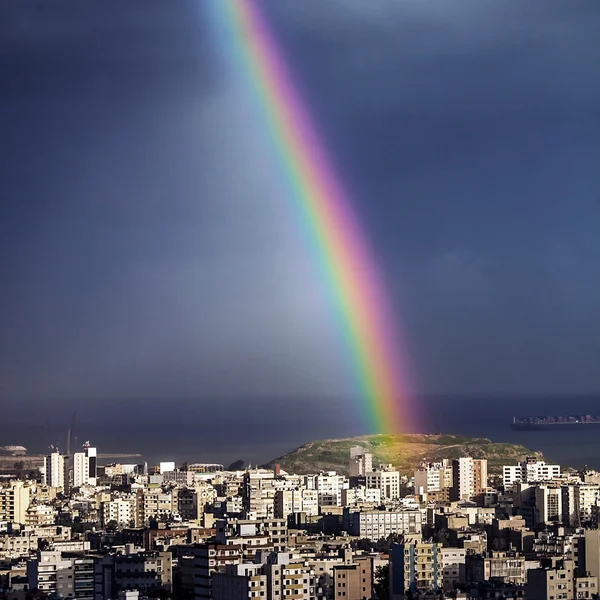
<point x="555" y="422"/>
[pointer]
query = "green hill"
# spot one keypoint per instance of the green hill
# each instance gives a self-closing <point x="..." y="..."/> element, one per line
<point x="403" y="451"/>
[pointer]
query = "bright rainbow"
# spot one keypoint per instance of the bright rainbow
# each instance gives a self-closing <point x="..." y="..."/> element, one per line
<point x="342" y="256"/>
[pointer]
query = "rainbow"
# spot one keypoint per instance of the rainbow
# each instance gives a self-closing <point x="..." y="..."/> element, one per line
<point x="342" y="257"/>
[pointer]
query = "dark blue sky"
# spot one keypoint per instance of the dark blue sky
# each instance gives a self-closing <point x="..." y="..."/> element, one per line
<point x="146" y="248"/>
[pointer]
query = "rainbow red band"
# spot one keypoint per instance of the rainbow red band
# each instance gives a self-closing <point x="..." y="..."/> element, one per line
<point x="346" y="263"/>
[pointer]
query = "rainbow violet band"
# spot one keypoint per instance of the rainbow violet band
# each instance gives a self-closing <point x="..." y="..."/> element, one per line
<point x="342" y="256"/>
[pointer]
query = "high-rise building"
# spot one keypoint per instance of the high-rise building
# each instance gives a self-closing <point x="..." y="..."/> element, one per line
<point x="548" y="504"/>
<point x="469" y="478"/>
<point x="85" y="466"/>
<point x="416" y="567"/>
<point x="361" y="462"/>
<point x="62" y="576"/>
<point x="387" y="480"/>
<point x="354" y="581"/>
<point x="14" y="502"/>
<point x="530" y="470"/>
<point x="433" y="477"/>
<point x="55" y="474"/>
<point x="298" y="500"/>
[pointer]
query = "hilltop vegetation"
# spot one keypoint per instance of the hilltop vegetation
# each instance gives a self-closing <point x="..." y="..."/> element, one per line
<point x="403" y="451"/>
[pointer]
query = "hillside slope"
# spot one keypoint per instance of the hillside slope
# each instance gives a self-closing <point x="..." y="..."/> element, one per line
<point x="403" y="451"/>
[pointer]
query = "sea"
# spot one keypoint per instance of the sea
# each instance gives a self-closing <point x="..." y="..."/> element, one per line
<point x="258" y="430"/>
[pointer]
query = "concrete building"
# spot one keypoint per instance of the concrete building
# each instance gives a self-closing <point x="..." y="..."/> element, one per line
<point x="143" y="571"/>
<point x="14" y="502"/>
<point x="469" y="478"/>
<point x="548" y="504"/>
<point x="54" y="471"/>
<point x="120" y="510"/>
<point x="354" y="581"/>
<point x="258" y="492"/>
<point x="387" y="480"/>
<point x="505" y="566"/>
<point x="84" y="466"/>
<point x="361" y="462"/>
<point x="156" y="504"/>
<point x="270" y="534"/>
<point x="453" y="567"/>
<point x="588" y="553"/>
<point x="288" y="577"/>
<point x="530" y="470"/>
<point x="179" y="477"/>
<point x="329" y="486"/>
<point x="64" y="576"/>
<point x="300" y="500"/>
<point x="552" y="582"/>
<point x="433" y="477"/>
<point x="579" y="503"/>
<point x="416" y="567"/>
<point x="361" y="495"/>
<point x="207" y="559"/>
<point x="377" y="524"/>
<point x="240" y="582"/>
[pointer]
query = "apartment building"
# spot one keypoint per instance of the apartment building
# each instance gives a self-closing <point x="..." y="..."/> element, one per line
<point x="361" y="495"/>
<point x="554" y="581"/>
<point x="417" y="567"/>
<point x="361" y="462"/>
<point x="377" y="524"/>
<point x="298" y="500"/>
<point x="143" y="571"/>
<point x="469" y="478"/>
<point x="433" y="477"/>
<point x="85" y="466"/>
<point x="240" y="582"/>
<point x="386" y="480"/>
<point x="530" y="470"/>
<point x="54" y="471"/>
<point x="15" y="498"/>
<point x="62" y="575"/>
<point x="354" y="581"/>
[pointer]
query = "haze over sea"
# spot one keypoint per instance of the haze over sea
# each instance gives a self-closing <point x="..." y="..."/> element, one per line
<point x="219" y="431"/>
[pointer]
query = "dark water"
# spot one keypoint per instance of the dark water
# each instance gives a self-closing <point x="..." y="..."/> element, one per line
<point x="259" y="430"/>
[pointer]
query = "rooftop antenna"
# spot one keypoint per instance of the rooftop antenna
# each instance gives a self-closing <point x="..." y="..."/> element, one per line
<point x="69" y="433"/>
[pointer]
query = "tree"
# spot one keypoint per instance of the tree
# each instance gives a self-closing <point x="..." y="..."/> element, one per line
<point x="382" y="582"/>
<point x="112" y="526"/>
<point x="364" y="544"/>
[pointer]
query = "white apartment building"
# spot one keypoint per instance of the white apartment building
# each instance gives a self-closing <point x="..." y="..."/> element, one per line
<point x="433" y="477"/>
<point x="329" y="486"/>
<point x="84" y="467"/>
<point x="377" y="524"/>
<point x="548" y="504"/>
<point x="14" y="502"/>
<point x="300" y="500"/>
<point x="387" y="480"/>
<point x="579" y="502"/>
<point x="63" y="577"/>
<point x="360" y="495"/>
<point x="121" y="510"/>
<point x="528" y="471"/>
<point x="469" y="478"/>
<point x="54" y="471"/>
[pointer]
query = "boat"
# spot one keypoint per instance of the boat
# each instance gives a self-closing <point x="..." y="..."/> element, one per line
<point x="554" y="422"/>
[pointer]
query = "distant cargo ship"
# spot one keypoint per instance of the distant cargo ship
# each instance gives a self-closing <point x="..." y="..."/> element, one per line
<point x="554" y="423"/>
